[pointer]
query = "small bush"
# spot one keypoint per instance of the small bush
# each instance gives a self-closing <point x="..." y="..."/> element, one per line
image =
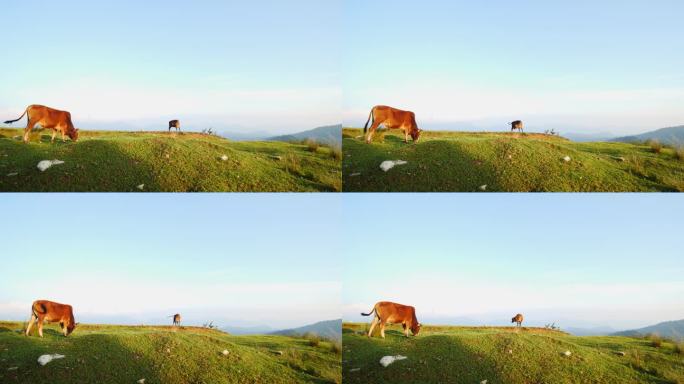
<point x="679" y="348"/>
<point x="312" y="145"/>
<point x="336" y="348"/>
<point x="655" y="145"/>
<point x="314" y="340"/>
<point x="656" y="341"/>
<point x="679" y="153"/>
<point x="292" y="164"/>
<point x="336" y="153"/>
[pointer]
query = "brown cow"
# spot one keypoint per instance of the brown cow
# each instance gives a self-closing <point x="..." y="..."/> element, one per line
<point x="517" y="319"/>
<point x="176" y="319"/>
<point x="44" y="310"/>
<point x="393" y="313"/>
<point x="392" y="118"/>
<point x="516" y="125"/>
<point x="174" y="124"/>
<point x="48" y="118"/>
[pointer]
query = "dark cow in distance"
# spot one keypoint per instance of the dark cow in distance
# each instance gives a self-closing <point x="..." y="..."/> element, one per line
<point x="174" y="124"/>
<point x="176" y="319"/>
<point x="48" y="118"/>
<point x="392" y="313"/>
<point x="44" y="310"/>
<point x="518" y="319"/>
<point x="392" y="118"/>
<point x="516" y="125"/>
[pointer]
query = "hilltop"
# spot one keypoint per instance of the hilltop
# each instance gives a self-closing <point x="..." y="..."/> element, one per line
<point x="329" y="329"/>
<point x="441" y="354"/>
<point x="668" y="329"/>
<point x="502" y="161"/>
<point x="670" y="136"/>
<point x="116" y="161"/>
<point x="331" y="134"/>
<point x="126" y="354"/>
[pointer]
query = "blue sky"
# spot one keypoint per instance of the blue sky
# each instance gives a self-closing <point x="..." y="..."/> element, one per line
<point x="582" y="66"/>
<point x="239" y="259"/>
<point x="575" y="259"/>
<point x="237" y="65"/>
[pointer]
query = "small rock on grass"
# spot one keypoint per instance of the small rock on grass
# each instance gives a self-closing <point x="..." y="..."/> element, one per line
<point x="483" y="382"/>
<point x="620" y="353"/>
<point x="567" y="353"/>
<point x="224" y="157"/>
<point x="225" y="352"/>
<point x="141" y="381"/>
<point x="354" y="369"/>
<point x="12" y="368"/>
<point x="482" y="187"/>
<point x="566" y="159"/>
<point x="355" y="174"/>
<point x="387" y="360"/>
<point x="141" y="186"/>
<point x="12" y="174"/>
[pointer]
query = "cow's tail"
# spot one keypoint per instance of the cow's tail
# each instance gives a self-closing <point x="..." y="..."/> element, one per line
<point x="365" y="127"/>
<point x="19" y="118"/>
<point x="369" y="313"/>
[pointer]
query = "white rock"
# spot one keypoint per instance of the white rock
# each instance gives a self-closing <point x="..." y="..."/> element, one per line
<point x="224" y="157"/>
<point x="567" y="353"/>
<point x="44" y="359"/>
<point x="389" y="164"/>
<point x="354" y="369"/>
<point x="566" y="158"/>
<point x="45" y="164"/>
<point x="387" y="360"/>
<point x="225" y="352"/>
<point x="482" y="187"/>
<point x="355" y="174"/>
<point x="12" y="174"/>
<point x="12" y="368"/>
<point x="483" y="382"/>
<point x="141" y="187"/>
<point x="141" y="381"/>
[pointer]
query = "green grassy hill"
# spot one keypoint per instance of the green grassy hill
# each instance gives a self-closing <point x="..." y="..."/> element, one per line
<point x="505" y="355"/>
<point x="173" y="162"/>
<point x="464" y="161"/>
<point x="126" y="354"/>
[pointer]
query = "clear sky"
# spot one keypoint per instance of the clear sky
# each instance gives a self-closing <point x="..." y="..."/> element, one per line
<point x="235" y="65"/>
<point x="582" y="66"/>
<point x="579" y="260"/>
<point x="236" y="259"/>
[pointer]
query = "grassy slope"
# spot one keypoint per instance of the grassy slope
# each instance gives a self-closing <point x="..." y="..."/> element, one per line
<point x="119" y="161"/>
<point x="126" y="354"/>
<point x="470" y="355"/>
<point x="463" y="161"/>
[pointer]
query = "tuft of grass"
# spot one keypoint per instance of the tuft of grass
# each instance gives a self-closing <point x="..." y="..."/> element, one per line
<point x="313" y="339"/>
<point x="336" y="348"/>
<point x="679" y="348"/>
<point x="312" y="145"/>
<point x="655" y="145"/>
<point x="336" y="153"/>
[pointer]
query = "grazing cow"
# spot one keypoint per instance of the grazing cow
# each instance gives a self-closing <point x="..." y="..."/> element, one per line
<point x="392" y="118"/>
<point x="44" y="310"/>
<point x="518" y="319"/>
<point x="48" y="118"/>
<point x="516" y="125"/>
<point x="393" y="313"/>
<point x="174" y="124"/>
<point x="176" y="319"/>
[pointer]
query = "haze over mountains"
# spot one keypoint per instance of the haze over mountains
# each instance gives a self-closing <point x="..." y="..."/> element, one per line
<point x="668" y="329"/>
<point x="670" y="136"/>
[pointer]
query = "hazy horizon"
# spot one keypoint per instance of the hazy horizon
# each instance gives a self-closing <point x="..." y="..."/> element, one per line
<point x="574" y="259"/>
<point x="579" y="67"/>
<point x="209" y="64"/>
<point x="132" y="259"/>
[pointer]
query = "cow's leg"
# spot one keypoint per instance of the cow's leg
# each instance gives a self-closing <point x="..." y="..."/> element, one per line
<point x="40" y="326"/>
<point x="382" y="329"/>
<point x="371" y="130"/>
<point x="30" y="324"/>
<point x="406" y="329"/>
<point x="373" y="323"/>
<point x="27" y="130"/>
<point x="54" y="133"/>
<point x="406" y="135"/>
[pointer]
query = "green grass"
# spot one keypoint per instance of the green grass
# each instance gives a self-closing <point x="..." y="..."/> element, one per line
<point x="505" y="162"/>
<point x="171" y="162"/>
<point x="125" y="354"/>
<point x="505" y="355"/>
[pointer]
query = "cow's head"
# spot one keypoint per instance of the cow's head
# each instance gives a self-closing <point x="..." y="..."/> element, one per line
<point x="71" y="327"/>
<point x="415" y="134"/>
<point x="415" y="329"/>
<point x="73" y="134"/>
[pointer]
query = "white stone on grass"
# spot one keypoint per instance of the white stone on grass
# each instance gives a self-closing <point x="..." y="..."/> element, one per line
<point x="389" y="164"/>
<point x="45" y="164"/>
<point x="44" y="359"/>
<point x="387" y="360"/>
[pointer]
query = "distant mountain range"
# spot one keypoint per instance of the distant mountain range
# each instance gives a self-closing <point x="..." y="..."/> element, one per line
<point x="588" y="137"/>
<point x="254" y="330"/>
<point x="667" y="329"/>
<point x="331" y="134"/>
<point x="670" y="136"/>
<point x="593" y="331"/>
<point x="330" y="329"/>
